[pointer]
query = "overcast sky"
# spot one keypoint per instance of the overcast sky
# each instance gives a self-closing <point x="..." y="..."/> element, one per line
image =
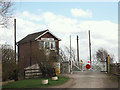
<point x="69" y="18"/>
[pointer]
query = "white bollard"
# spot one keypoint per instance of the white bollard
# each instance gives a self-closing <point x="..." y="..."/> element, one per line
<point x="45" y="81"/>
<point x="55" y="78"/>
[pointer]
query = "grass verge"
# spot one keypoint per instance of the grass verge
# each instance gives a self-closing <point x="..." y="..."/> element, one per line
<point x="36" y="83"/>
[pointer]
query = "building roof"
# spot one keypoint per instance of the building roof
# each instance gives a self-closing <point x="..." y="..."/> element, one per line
<point x="34" y="36"/>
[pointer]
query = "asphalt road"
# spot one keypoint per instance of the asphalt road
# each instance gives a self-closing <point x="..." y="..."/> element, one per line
<point x="88" y="80"/>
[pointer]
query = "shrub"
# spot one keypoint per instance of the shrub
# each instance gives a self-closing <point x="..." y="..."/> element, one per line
<point x="9" y="66"/>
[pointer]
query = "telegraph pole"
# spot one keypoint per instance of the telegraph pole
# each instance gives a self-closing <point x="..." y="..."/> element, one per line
<point x="70" y="55"/>
<point x="15" y="38"/>
<point x="89" y="46"/>
<point x="78" y="49"/>
<point x="108" y="63"/>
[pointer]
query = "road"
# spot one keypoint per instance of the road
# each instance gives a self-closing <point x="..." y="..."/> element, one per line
<point x="88" y="80"/>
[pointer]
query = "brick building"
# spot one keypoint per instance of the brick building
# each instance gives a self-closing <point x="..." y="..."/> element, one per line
<point x="27" y="46"/>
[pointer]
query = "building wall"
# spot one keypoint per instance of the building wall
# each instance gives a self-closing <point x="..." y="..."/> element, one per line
<point x="25" y="53"/>
<point x="57" y="46"/>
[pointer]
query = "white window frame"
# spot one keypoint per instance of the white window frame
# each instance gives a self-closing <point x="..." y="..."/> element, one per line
<point x="54" y="45"/>
<point x="50" y="40"/>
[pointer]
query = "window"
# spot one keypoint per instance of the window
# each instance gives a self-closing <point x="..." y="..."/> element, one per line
<point x="47" y="43"/>
<point x="53" y="45"/>
<point x="47" y="46"/>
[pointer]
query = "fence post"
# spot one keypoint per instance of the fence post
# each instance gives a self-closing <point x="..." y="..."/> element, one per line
<point x="107" y="63"/>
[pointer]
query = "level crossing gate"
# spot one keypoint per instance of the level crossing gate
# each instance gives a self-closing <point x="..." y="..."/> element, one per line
<point x="99" y="66"/>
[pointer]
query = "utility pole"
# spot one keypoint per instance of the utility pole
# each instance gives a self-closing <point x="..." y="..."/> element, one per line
<point x="89" y="46"/>
<point x="78" y="49"/>
<point x="15" y="38"/>
<point x="70" y="55"/>
<point x="108" y="63"/>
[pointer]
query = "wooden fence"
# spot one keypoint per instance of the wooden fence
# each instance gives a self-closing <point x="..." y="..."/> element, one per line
<point x="115" y="69"/>
<point x="32" y="73"/>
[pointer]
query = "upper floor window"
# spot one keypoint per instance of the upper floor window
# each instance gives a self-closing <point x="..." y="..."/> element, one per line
<point x="47" y="43"/>
<point x="53" y="46"/>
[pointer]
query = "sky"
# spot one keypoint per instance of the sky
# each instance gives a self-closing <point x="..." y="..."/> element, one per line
<point x="69" y="18"/>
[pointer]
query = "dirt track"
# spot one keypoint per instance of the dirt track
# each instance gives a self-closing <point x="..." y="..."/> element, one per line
<point x="88" y="80"/>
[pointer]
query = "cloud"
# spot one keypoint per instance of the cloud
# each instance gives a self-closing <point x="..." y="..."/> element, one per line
<point x="25" y="27"/>
<point x="64" y="24"/>
<point x="49" y="17"/>
<point x="103" y="33"/>
<point x="81" y="13"/>
<point x="102" y="30"/>
<point x="30" y="16"/>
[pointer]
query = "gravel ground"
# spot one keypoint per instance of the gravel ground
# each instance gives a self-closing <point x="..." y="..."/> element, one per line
<point x="88" y="80"/>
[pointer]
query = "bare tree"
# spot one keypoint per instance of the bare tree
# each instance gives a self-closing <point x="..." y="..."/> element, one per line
<point x="73" y="55"/>
<point x="6" y="10"/>
<point x="101" y="55"/>
<point x="63" y="56"/>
